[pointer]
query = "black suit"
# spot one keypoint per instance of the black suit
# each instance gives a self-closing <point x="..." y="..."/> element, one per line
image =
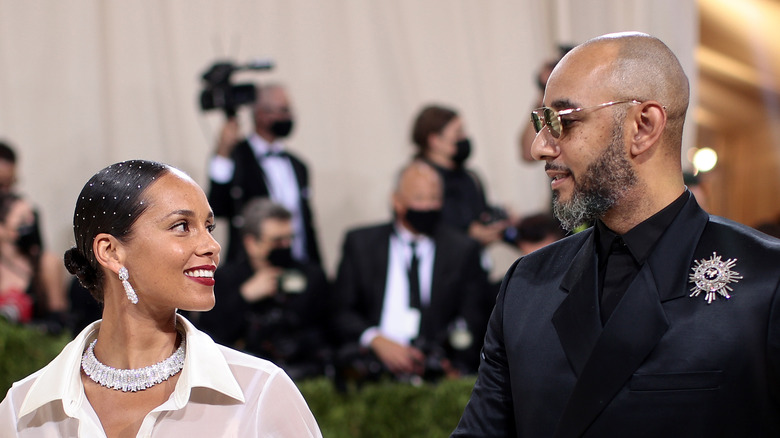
<point x="249" y="181"/>
<point x="664" y="365"/>
<point x="457" y="289"/>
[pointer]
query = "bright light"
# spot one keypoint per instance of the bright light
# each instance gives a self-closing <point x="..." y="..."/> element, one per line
<point x="705" y="159"/>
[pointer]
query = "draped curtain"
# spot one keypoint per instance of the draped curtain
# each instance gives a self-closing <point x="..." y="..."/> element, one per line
<point x="86" y="83"/>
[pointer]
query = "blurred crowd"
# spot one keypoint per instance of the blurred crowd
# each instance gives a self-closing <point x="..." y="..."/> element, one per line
<point x="411" y="296"/>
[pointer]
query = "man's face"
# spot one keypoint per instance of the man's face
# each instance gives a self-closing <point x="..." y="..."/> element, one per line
<point x="602" y="185"/>
<point x="418" y="190"/>
<point x="273" y="106"/>
<point x="274" y="233"/>
<point x="588" y="163"/>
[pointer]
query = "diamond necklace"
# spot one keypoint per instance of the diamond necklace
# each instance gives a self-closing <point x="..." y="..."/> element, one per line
<point x="135" y="379"/>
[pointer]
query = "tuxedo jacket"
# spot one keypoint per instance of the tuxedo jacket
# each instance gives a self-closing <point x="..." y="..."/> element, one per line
<point x="665" y="364"/>
<point x="457" y="289"/>
<point x="249" y="181"/>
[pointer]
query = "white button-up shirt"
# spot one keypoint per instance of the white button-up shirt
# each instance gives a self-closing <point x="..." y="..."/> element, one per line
<point x="221" y="392"/>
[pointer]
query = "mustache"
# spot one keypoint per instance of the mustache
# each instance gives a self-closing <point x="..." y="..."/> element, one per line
<point x="556" y="167"/>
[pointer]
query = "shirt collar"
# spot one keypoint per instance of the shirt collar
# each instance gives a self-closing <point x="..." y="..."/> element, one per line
<point x="204" y="366"/>
<point x="641" y="239"/>
<point x="406" y="236"/>
<point x="261" y="147"/>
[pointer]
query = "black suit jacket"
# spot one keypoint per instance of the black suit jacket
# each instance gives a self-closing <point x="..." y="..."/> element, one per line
<point x="249" y="182"/>
<point x="457" y="290"/>
<point x="664" y="365"/>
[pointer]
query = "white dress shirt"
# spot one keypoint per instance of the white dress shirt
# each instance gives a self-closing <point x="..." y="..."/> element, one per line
<point x="400" y="322"/>
<point x="279" y="178"/>
<point x="220" y="393"/>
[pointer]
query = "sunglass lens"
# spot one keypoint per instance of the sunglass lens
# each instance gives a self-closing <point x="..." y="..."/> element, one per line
<point x="553" y="121"/>
<point x="537" y="122"/>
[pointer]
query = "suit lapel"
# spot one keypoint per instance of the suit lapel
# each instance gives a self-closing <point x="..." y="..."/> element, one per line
<point x="440" y="274"/>
<point x="631" y="333"/>
<point x="605" y="365"/>
<point x="255" y="183"/>
<point x="577" y="319"/>
<point x="379" y="267"/>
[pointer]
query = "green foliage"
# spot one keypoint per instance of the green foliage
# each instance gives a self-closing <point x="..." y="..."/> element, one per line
<point x="378" y="410"/>
<point x="24" y="350"/>
<point x="387" y="409"/>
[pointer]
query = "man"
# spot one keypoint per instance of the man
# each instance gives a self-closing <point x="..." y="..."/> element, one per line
<point x="627" y="328"/>
<point x="268" y="303"/>
<point x="409" y="292"/>
<point x="260" y="166"/>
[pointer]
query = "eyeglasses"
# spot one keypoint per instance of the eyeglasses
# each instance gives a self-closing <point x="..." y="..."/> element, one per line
<point x="545" y="116"/>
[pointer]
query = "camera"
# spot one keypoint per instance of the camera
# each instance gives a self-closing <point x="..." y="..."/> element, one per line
<point x="493" y="214"/>
<point x="220" y="93"/>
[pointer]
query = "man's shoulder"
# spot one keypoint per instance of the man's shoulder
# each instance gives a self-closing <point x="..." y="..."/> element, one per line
<point x="369" y="231"/>
<point x="743" y="232"/>
<point x="732" y="239"/>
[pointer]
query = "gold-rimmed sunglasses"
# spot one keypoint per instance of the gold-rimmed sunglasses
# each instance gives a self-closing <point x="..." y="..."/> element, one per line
<point x="545" y="116"/>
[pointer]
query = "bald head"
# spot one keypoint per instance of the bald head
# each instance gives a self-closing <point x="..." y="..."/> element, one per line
<point x="639" y="66"/>
<point x="419" y="187"/>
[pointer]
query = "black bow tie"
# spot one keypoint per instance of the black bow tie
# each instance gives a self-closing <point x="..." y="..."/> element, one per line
<point x="274" y="154"/>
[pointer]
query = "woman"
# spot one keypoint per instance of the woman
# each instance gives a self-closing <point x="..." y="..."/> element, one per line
<point x="144" y="249"/>
<point x="32" y="282"/>
<point x="440" y="138"/>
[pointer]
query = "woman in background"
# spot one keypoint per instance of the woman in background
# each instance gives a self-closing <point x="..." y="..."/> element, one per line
<point x="440" y="137"/>
<point x="32" y="281"/>
<point x="144" y="249"/>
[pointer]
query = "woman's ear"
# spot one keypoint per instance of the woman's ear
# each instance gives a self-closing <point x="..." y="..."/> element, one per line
<point x="650" y="122"/>
<point x="109" y="252"/>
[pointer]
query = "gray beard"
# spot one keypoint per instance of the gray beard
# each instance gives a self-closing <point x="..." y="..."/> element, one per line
<point x="604" y="183"/>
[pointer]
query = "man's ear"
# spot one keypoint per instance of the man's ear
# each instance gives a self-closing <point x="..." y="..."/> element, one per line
<point x="650" y="122"/>
<point x="109" y="252"/>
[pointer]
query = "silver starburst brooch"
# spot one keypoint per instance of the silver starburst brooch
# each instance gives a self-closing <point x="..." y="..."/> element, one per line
<point x="713" y="275"/>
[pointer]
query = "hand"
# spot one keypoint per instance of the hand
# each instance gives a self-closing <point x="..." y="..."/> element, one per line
<point x="263" y="284"/>
<point x="399" y="359"/>
<point x="228" y="137"/>
<point x="487" y="234"/>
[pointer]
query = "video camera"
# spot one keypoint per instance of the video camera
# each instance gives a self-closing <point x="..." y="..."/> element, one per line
<point x="219" y="93"/>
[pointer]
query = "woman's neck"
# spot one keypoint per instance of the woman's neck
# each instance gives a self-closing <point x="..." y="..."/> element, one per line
<point x="440" y="160"/>
<point x="128" y="339"/>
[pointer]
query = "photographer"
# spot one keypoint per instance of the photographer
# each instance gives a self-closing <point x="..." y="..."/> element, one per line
<point x="269" y="304"/>
<point x="261" y="166"/>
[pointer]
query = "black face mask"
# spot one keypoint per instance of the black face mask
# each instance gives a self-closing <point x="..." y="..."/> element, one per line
<point x="29" y="240"/>
<point x="462" y="151"/>
<point x="281" y="257"/>
<point x="281" y="128"/>
<point x="423" y="221"/>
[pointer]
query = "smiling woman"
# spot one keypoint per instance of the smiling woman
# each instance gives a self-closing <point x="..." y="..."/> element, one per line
<point x="144" y="249"/>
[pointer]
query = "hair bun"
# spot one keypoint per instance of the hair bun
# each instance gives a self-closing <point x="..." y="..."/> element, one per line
<point x="77" y="264"/>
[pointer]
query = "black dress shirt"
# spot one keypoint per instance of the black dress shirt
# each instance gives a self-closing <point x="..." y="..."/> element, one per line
<point x="620" y="257"/>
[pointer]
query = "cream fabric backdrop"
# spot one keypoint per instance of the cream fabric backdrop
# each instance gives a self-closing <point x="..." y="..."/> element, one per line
<point x="84" y="84"/>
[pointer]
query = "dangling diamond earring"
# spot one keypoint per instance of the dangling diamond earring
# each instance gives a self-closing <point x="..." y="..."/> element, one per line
<point x="131" y="295"/>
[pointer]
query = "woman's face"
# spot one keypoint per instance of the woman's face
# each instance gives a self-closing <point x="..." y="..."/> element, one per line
<point x="171" y="255"/>
<point x="443" y="144"/>
<point x="20" y="214"/>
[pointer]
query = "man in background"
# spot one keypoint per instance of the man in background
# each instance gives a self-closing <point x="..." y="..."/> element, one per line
<point x="409" y="293"/>
<point x="261" y="166"/>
